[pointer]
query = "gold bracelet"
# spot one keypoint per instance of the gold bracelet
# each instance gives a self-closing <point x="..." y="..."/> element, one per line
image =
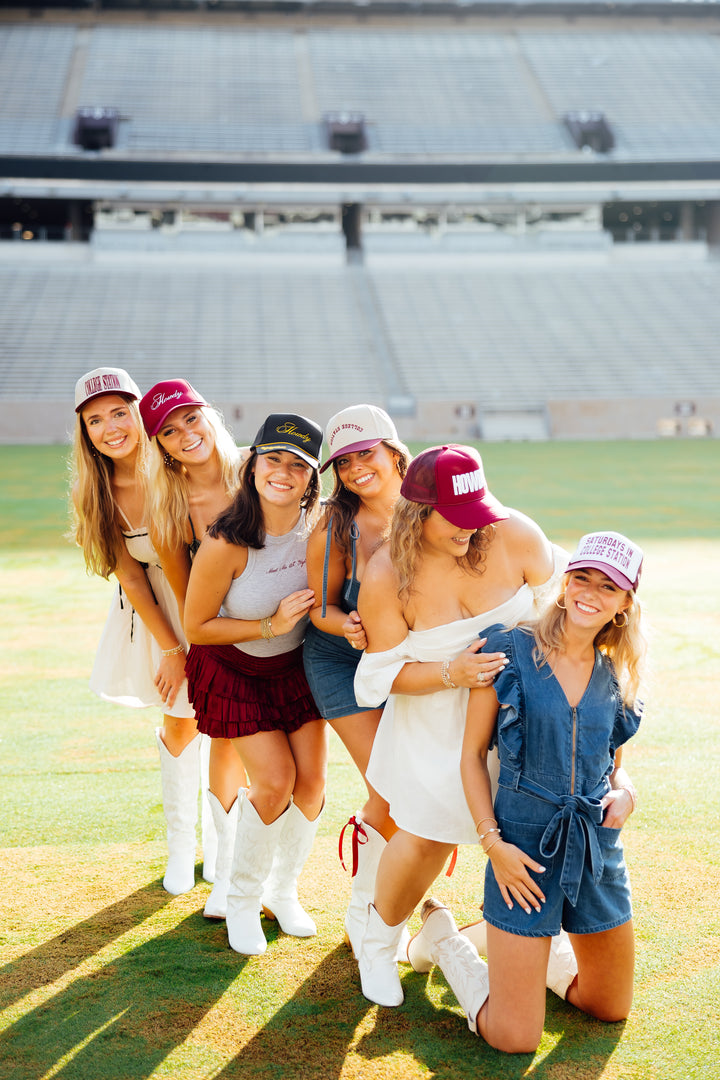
<point x="266" y="630"/>
<point x="487" y="833"/>
<point x="497" y="839"/>
<point x="479" y="823"/>
<point x="445" y="676"/>
<point x="173" y="652"/>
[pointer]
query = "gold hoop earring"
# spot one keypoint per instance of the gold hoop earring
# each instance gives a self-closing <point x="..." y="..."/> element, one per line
<point x="625" y="619"/>
<point x="558" y="604"/>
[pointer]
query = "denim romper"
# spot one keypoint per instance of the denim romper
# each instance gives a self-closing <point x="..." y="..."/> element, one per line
<point x="330" y="661"/>
<point x="555" y="763"/>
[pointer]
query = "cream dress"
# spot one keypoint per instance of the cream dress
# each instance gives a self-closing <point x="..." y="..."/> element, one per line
<point x="415" y="759"/>
<point x="128" y="655"/>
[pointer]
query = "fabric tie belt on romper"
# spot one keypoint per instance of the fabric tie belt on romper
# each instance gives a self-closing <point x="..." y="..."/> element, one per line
<point x="572" y="826"/>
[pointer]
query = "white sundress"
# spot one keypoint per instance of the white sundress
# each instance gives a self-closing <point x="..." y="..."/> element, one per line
<point x="415" y="759"/>
<point x="128" y="655"/>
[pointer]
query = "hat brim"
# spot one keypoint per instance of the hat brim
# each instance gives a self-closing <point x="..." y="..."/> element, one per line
<point x="475" y="514"/>
<point x="195" y="403"/>
<point x="354" y="448"/>
<point x="267" y="448"/>
<point x="610" y="571"/>
<point x="129" y="395"/>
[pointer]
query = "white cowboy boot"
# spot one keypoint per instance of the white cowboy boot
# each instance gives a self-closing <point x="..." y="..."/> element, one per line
<point x="280" y="897"/>
<point x="369" y="846"/>
<point x="255" y="844"/>
<point x="562" y="965"/>
<point x="440" y="942"/>
<point x="378" y="967"/>
<point x="180" y="778"/>
<point x="225" y="825"/>
<point x="207" y="817"/>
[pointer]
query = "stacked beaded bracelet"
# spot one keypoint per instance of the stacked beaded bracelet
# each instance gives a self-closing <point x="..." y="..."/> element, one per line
<point x="173" y="652"/>
<point x="266" y="629"/>
<point x="487" y="850"/>
<point x="445" y="676"/>
<point x="487" y="833"/>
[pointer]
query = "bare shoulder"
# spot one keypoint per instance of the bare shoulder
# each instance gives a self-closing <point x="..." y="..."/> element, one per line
<point x="380" y="572"/>
<point x="528" y="546"/>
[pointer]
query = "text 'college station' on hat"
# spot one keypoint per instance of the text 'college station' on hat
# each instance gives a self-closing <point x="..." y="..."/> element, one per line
<point x="451" y="480"/>
<point x="104" y="380"/>
<point x="612" y="553"/>
<point x="359" y="427"/>
<point x="288" y="431"/>
<point x="162" y="398"/>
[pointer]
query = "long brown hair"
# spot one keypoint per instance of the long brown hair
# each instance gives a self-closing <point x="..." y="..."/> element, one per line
<point x="243" y="522"/>
<point x="343" y="505"/>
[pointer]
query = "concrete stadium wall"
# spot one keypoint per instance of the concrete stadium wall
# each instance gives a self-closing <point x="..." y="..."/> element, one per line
<point x="51" y="422"/>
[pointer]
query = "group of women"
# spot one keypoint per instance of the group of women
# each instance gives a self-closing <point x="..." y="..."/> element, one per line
<point x="239" y="611"/>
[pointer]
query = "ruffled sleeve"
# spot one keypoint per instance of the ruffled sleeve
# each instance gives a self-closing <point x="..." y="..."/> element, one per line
<point x="376" y="673"/>
<point x="548" y="590"/>
<point x="509" y="731"/>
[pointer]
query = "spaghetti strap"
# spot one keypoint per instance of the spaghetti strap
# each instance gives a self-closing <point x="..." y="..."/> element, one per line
<point x="326" y="565"/>
<point x="354" y="537"/>
<point x="194" y="543"/>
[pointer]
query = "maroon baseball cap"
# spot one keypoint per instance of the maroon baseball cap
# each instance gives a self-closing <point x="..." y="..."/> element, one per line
<point x="160" y="401"/>
<point x="451" y="480"/>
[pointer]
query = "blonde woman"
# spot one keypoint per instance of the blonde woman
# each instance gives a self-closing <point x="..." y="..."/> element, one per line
<point x="561" y="711"/>
<point x="194" y="471"/>
<point x="141" y="656"/>
<point x="457" y="561"/>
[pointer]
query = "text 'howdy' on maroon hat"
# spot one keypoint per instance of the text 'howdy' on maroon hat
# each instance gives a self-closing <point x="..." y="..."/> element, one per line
<point x="452" y="481"/>
<point x="160" y="401"/>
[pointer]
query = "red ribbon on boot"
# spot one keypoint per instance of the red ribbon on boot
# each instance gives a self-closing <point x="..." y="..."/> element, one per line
<point x="359" y="836"/>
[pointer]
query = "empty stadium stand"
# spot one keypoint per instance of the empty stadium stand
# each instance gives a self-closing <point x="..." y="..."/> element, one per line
<point x="471" y="267"/>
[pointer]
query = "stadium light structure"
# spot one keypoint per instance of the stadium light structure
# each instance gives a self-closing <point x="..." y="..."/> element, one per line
<point x="346" y="131"/>
<point x="590" y="130"/>
<point x="96" y="127"/>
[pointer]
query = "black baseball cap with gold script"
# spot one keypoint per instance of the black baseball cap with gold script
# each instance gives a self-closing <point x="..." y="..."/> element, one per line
<point x="287" y="431"/>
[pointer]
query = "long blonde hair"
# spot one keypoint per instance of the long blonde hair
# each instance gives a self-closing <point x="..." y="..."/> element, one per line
<point x="624" y="645"/>
<point x="95" y="524"/>
<point x="169" y="491"/>
<point x="406" y="533"/>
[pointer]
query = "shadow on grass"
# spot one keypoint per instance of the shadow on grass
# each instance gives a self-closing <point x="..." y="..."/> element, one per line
<point x="315" y="1031"/>
<point x="121" y="1021"/>
<point x="54" y="958"/>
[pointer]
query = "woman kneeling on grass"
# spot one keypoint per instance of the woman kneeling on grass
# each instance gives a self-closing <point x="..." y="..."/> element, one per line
<point x="246" y="612"/>
<point x="560" y="711"/>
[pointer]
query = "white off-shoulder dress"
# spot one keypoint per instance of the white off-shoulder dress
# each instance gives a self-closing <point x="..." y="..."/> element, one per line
<point x="415" y="759"/>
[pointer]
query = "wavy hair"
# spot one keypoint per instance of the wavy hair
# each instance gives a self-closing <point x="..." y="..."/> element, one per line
<point x="625" y="646"/>
<point x="342" y="505"/>
<point x="406" y="533"/>
<point x="243" y="522"/>
<point x="168" y="485"/>
<point x="95" y="526"/>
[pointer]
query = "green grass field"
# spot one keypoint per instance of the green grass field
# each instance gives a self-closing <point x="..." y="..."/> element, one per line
<point x="104" y="975"/>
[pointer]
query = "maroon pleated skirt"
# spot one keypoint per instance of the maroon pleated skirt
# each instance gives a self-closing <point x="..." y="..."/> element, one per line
<point x="236" y="694"/>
